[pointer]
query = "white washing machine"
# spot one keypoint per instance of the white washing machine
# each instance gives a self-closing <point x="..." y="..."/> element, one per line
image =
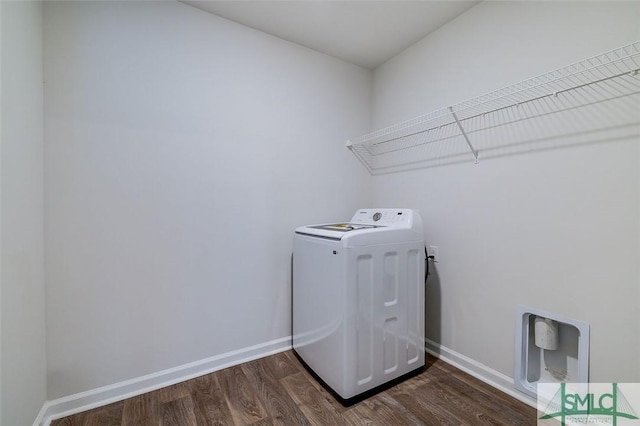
<point x="358" y="300"/>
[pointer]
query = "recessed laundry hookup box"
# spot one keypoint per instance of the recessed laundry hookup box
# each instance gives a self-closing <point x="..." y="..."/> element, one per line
<point x="550" y="348"/>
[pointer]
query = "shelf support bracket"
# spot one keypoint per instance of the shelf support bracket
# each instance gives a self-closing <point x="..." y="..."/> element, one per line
<point x="464" y="134"/>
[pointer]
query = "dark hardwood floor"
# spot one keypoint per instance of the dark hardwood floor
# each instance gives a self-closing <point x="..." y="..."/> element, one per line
<point x="277" y="390"/>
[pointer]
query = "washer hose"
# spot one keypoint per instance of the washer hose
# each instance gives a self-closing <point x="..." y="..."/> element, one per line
<point x="426" y="259"/>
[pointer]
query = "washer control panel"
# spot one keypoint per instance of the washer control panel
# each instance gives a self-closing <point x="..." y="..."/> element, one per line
<point x="383" y="217"/>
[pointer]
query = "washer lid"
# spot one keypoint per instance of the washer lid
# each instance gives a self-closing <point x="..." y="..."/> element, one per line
<point x="343" y="227"/>
<point x="334" y="231"/>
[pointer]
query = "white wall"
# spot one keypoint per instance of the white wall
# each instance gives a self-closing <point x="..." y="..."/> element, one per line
<point x="23" y="375"/>
<point x="181" y="151"/>
<point x="557" y="230"/>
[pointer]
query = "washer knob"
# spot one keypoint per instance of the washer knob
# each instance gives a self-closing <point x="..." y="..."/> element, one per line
<point x="377" y="216"/>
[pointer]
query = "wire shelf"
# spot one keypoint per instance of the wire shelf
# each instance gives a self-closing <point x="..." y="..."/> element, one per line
<point x="578" y="103"/>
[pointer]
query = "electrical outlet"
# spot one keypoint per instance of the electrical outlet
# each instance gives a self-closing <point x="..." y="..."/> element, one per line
<point x="433" y="251"/>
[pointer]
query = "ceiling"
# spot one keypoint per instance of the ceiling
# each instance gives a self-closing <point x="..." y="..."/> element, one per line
<point x="366" y="33"/>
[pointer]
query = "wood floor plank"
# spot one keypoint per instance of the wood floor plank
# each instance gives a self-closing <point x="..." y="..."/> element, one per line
<point x="141" y="410"/>
<point x="319" y="387"/>
<point x="241" y="398"/>
<point x="489" y="391"/>
<point x="430" y="401"/>
<point x="279" y="405"/>
<point x="317" y="408"/>
<point x="415" y="381"/>
<point x="178" y="412"/>
<point x="263" y="422"/>
<point x="501" y="408"/>
<point x="281" y="366"/>
<point x="466" y="408"/>
<point x="74" y="420"/>
<point x="427" y="415"/>
<point x="428" y="412"/>
<point x="171" y="393"/>
<point x="211" y="408"/>
<point x="380" y="410"/>
<point x="109" y="415"/>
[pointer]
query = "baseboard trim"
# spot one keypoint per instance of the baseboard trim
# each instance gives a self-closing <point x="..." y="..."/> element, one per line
<point x="88" y="400"/>
<point x="479" y="371"/>
<point x="94" y="398"/>
<point x="40" y="418"/>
